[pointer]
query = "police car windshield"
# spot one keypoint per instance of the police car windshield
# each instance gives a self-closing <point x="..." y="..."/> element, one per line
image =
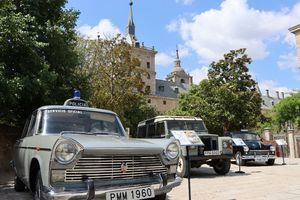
<point x="55" y="121"/>
<point x="196" y="125"/>
<point x="246" y="136"/>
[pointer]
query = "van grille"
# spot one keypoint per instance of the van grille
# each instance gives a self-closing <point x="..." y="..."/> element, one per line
<point x="109" y="167"/>
<point x="210" y="143"/>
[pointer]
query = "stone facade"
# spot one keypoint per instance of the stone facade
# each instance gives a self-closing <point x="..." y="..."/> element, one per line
<point x="296" y="30"/>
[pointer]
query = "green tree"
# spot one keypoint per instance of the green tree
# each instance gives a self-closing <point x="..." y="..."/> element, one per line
<point x="38" y="60"/>
<point x="228" y="99"/>
<point x="287" y="112"/>
<point x="115" y="79"/>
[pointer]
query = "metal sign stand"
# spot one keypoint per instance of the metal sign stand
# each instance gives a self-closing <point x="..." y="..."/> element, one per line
<point x="189" y="171"/>
<point x="283" y="163"/>
<point x="240" y="161"/>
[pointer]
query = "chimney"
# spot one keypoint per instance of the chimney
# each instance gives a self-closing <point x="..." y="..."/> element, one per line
<point x="277" y="92"/>
<point x="282" y="95"/>
<point x="268" y="93"/>
<point x="190" y="80"/>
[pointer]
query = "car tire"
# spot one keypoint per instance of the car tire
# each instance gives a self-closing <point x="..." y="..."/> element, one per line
<point x="182" y="170"/>
<point x="160" y="197"/>
<point x="239" y="161"/>
<point x="19" y="185"/>
<point x="38" y="187"/>
<point x="222" y="166"/>
<point x="270" y="162"/>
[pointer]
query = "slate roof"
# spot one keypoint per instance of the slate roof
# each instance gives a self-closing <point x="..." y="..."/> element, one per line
<point x="269" y="102"/>
<point x="169" y="88"/>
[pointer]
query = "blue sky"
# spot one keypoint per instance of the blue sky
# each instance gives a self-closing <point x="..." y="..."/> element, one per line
<point x="204" y="30"/>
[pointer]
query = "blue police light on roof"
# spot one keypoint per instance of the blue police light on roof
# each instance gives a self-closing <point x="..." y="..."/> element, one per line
<point x="76" y="101"/>
<point x="76" y="94"/>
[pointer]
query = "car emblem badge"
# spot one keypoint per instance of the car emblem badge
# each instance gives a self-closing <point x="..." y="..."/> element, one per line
<point x="124" y="167"/>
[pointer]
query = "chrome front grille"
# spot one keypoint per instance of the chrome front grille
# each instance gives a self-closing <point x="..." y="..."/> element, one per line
<point x="114" y="167"/>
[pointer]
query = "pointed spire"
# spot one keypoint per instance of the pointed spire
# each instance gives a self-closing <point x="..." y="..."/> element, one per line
<point x="130" y="29"/>
<point x="177" y="66"/>
<point x="177" y="54"/>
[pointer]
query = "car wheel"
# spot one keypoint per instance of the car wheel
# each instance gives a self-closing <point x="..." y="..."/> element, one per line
<point x="182" y="167"/>
<point x="222" y="166"/>
<point x="160" y="197"/>
<point x="238" y="159"/>
<point x="38" y="187"/>
<point x="19" y="185"/>
<point x="270" y="162"/>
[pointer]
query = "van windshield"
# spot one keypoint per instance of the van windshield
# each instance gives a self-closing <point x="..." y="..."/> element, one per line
<point x="196" y="125"/>
<point x="55" y="121"/>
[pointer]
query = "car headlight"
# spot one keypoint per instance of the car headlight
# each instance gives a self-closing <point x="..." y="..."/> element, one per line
<point x="65" y="152"/>
<point x="246" y="148"/>
<point x="272" y="148"/>
<point x="172" y="151"/>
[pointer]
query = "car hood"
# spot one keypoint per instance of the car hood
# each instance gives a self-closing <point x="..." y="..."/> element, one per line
<point x="257" y="145"/>
<point x="109" y="144"/>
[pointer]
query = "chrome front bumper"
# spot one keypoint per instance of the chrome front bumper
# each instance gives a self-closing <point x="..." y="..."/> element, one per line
<point x="92" y="192"/>
<point x="253" y="157"/>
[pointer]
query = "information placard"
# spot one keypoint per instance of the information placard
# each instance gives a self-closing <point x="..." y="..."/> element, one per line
<point x="187" y="138"/>
<point x="238" y="142"/>
<point x="281" y="142"/>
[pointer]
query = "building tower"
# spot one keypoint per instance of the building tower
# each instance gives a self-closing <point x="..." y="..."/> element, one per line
<point x="144" y="54"/>
<point x="178" y="75"/>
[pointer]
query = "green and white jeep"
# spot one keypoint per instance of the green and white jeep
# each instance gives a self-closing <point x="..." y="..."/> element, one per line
<point x="216" y="151"/>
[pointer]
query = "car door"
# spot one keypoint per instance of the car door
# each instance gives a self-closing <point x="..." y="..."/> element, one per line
<point x="23" y="149"/>
<point x="19" y="151"/>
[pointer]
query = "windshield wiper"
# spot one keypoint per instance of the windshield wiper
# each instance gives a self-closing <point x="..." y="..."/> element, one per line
<point x="75" y="132"/>
<point x="105" y="133"/>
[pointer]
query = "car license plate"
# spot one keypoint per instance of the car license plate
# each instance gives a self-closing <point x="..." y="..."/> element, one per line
<point x="133" y="194"/>
<point x="261" y="159"/>
<point x="211" y="153"/>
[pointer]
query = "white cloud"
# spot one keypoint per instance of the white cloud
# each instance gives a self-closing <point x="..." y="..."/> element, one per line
<point x="163" y="59"/>
<point x="273" y="86"/>
<point x="105" y="28"/>
<point x="185" y="2"/>
<point x="235" y="25"/>
<point x="289" y="61"/>
<point x="172" y="26"/>
<point x="199" y="74"/>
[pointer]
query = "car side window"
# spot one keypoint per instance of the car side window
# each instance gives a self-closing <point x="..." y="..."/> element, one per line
<point x="31" y="124"/>
<point x="151" y="130"/>
<point x="160" y="130"/>
<point x="25" y="129"/>
<point x="141" y="132"/>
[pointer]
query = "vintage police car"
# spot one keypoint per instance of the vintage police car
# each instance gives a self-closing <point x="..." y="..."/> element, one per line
<point x="216" y="151"/>
<point x="77" y="152"/>
<point x="251" y="148"/>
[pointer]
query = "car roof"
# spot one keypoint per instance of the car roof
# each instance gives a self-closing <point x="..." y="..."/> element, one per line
<point x="165" y="117"/>
<point x="76" y="108"/>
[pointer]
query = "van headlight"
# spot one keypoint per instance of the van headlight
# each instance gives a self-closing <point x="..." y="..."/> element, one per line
<point x="246" y="148"/>
<point x="65" y="152"/>
<point x="272" y="148"/>
<point x="172" y="151"/>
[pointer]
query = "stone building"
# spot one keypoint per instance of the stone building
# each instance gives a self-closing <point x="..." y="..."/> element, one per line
<point x="163" y="94"/>
<point x="296" y="30"/>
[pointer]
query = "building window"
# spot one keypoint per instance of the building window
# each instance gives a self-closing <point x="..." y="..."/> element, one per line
<point x="161" y="88"/>
<point x="272" y="103"/>
<point x="148" y="76"/>
<point x="182" y="80"/>
<point x="147" y="89"/>
<point x="148" y="65"/>
<point x="164" y="102"/>
<point x="149" y="100"/>
<point x="176" y="90"/>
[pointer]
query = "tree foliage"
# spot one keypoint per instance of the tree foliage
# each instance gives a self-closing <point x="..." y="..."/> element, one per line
<point x="37" y="56"/>
<point x="115" y="79"/>
<point x="228" y="99"/>
<point x="287" y="111"/>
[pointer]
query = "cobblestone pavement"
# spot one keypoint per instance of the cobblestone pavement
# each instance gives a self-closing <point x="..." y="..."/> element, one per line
<point x="259" y="182"/>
